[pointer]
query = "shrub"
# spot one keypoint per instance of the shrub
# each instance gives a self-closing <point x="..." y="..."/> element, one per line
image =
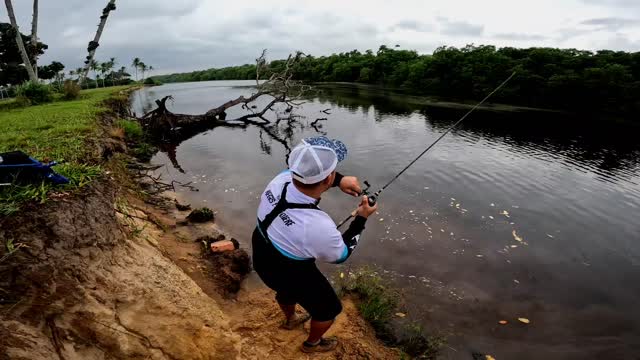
<point x="71" y="90"/>
<point x="151" y="81"/>
<point x="22" y="101"/>
<point x="35" y="92"/>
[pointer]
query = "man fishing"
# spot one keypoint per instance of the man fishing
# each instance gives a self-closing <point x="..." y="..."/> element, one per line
<point x="292" y="233"/>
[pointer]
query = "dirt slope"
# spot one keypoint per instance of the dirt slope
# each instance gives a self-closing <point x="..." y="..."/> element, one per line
<point x="82" y="289"/>
<point x="91" y="284"/>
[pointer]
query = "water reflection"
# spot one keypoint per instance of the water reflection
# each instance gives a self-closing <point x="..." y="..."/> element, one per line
<point x="568" y="184"/>
<point x="608" y="145"/>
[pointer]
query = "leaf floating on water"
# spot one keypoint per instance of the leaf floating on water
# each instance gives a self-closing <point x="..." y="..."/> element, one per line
<point x="401" y="315"/>
<point x="524" y="320"/>
<point x="505" y="213"/>
<point x="515" y="236"/>
<point x="502" y="322"/>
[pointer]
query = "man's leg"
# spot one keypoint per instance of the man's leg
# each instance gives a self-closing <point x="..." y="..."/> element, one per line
<point x="288" y="310"/>
<point x="288" y="306"/>
<point x="321" y="301"/>
<point x="318" y="328"/>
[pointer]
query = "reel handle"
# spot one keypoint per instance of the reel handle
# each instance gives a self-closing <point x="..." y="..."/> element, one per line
<point x="372" y="199"/>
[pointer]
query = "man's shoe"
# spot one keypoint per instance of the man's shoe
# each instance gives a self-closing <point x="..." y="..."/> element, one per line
<point x="324" y="345"/>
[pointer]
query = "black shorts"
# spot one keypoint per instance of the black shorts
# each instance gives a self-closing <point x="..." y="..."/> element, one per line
<point x="295" y="281"/>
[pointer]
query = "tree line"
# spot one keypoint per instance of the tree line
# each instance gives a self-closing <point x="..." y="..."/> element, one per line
<point x="566" y="79"/>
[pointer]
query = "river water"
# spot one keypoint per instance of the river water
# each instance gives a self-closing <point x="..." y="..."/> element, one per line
<point x="514" y="214"/>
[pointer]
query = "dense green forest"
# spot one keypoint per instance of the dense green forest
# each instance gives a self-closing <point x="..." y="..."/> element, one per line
<point x="569" y="79"/>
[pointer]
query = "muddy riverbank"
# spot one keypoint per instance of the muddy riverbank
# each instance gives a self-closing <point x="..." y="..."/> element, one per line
<point x="108" y="272"/>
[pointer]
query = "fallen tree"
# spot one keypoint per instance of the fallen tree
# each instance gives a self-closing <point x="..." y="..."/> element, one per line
<point x="273" y="103"/>
<point x="279" y="89"/>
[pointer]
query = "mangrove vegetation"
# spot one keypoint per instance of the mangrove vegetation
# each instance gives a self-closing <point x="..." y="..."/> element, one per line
<point x="565" y="79"/>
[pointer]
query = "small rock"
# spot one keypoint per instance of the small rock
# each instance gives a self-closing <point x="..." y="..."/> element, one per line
<point x="201" y="215"/>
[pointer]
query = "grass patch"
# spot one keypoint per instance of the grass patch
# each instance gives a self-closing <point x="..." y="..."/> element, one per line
<point x="132" y="129"/>
<point x="61" y="131"/>
<point x="378" y="303"/>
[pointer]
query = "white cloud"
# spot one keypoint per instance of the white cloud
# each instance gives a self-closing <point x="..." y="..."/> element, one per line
<point x="196" y="34"/>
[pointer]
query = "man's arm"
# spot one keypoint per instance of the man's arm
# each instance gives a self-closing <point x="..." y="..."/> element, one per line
<point x="337" y="179"/>
<point x="351" y="237"/>
<point x="348" y="184"/>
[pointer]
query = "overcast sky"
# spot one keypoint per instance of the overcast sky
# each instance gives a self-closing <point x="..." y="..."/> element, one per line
<point x="184" y="35"/>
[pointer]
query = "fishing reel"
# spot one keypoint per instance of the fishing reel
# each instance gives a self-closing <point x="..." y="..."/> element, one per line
<point x="372" y="198"/>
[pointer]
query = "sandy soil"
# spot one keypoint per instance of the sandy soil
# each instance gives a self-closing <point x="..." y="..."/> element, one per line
<point x="99" y="279"/>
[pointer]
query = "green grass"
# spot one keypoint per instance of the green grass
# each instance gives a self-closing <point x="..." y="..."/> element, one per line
<point x="132" y="129"/>
<point x="60" y="131"/>
<point x="378" y="303"/>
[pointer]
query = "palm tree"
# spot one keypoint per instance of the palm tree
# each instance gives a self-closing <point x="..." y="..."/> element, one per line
<point x="79" y="72"/>
<point x="143" y="68"/>
<point x="93" y="45"/>
<point x="34" y="36"/>
<point x="104" y="68"/>
<point x="136" y="64"/>
<point x="23" y="52"/>
<point x="93" y="65"/>
<point x="122" y="73"/>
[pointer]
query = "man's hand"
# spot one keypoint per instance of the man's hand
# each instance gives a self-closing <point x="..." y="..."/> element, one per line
<point x="350" y="185"/>
<point x="364" y="209"/>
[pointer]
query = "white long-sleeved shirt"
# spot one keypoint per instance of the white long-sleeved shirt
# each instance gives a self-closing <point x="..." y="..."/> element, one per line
<point x="300" y="233"/>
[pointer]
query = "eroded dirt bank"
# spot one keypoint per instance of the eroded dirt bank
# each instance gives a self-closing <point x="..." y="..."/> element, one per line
<point x="101" y="274"/>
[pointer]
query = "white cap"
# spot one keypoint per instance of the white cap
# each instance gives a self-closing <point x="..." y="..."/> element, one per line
<point x="315" y="159"/>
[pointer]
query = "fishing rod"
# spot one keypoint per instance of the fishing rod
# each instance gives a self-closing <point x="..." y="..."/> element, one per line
<point x="374" y="197"/>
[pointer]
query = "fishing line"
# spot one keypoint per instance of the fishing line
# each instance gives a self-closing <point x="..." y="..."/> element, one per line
<point x="374" y="198"/>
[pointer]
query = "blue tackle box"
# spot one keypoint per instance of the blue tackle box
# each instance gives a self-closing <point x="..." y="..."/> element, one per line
<point x="19" y="168"/>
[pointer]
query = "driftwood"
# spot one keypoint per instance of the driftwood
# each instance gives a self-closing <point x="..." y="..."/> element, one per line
<point x="169" y="129"/>
<point x="280" y="88"/>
